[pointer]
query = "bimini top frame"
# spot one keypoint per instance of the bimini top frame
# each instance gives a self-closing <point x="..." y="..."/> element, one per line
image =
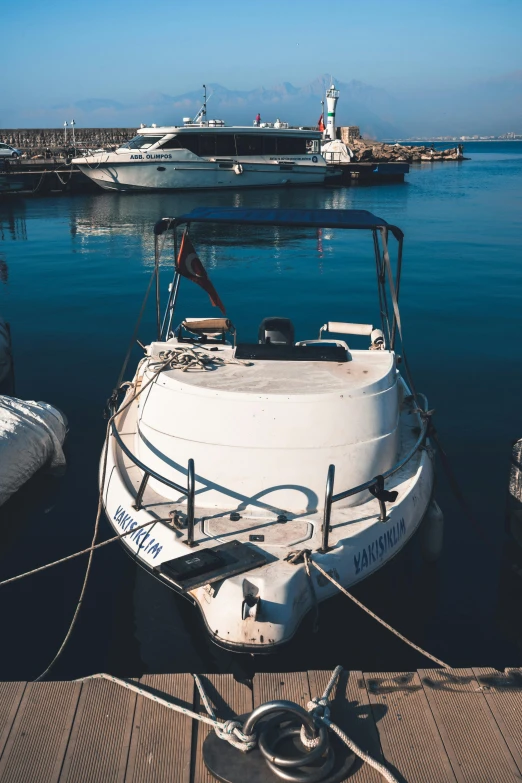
<point x="309" y="218"/>
<point x="359" y="219"/>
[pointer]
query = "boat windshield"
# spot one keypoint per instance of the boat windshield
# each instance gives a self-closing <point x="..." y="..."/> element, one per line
<point x="141" y="142"/>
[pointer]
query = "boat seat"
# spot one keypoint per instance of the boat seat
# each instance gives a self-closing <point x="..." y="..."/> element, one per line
<point x="340" y="327"/>
<point x="276" y="331"/>
<point x="207" y="328"/>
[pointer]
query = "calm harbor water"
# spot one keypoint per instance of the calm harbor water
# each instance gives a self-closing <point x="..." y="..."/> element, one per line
<point x="73" y="271"/>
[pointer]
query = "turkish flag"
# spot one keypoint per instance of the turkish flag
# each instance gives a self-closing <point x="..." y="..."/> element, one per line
<point x="189" y="265"/>
<point x="320" y="124"/>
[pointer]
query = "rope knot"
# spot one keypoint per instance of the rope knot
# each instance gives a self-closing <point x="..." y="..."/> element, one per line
<point x="320" y="710"/>
<point x="230" y="725"/>
<point x="231" y="731"/>
<point x="319" y="707"/>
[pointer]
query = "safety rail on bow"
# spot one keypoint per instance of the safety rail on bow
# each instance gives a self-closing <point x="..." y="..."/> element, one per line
<point x="375" y="485"/>
<point x="188" y="491"/>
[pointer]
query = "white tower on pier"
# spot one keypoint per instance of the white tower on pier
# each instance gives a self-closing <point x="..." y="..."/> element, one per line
<point x="332" y="96"/>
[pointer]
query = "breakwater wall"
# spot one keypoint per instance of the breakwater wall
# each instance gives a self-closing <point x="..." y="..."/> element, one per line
<point x="377" y="151"/>
<point x="37" y="140"/>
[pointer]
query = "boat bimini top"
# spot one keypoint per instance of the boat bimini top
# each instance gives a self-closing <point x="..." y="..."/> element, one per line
<point x="311" y="218"/>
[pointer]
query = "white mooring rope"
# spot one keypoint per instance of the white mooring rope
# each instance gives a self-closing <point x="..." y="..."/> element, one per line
<point x="231" y="730"/>
<point x="320" y="710"/>
<point x="185" y="357"/>
<point x="308" y="559"/>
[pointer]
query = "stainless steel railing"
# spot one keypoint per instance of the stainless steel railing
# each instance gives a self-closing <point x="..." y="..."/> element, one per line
<point x="374" y="485"/>
<point x="188" y="491"/>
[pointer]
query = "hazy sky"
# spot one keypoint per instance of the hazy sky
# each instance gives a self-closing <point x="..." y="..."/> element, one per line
<point x="60" y="51"/>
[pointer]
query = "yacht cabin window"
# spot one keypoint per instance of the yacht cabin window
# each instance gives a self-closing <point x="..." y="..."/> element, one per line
<point x="226" y="145"/>
<point x="141" y="142"/>
<point x="229" y="145"/>
<point x="249" y="144"/>
<point x="175" y="143"/>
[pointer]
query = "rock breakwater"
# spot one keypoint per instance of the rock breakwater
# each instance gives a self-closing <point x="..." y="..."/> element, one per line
<point x="375" y="152"/>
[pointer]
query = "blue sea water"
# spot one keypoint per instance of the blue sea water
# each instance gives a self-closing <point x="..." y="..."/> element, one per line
<point x="73" y="271"/>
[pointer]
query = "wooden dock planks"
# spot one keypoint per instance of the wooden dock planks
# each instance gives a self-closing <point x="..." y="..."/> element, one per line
<point x="10" y="697"/>
<point x="503" y="694"/>
<point x="408" y="732"/>
<point x="40" y="733"/>
<point x="434" y="725"/>
<point x="161" y="739"/>
<point x="472" y="737"/>
<point x="100" y="737"/>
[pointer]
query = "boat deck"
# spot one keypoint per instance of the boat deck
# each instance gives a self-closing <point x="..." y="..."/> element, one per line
<point x="367" y="372"/>
<point x="432" y="726"/>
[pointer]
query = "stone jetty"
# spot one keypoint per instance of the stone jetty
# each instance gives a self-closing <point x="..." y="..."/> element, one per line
<point x="38" y="141"/>
<point x="377" y="152"/>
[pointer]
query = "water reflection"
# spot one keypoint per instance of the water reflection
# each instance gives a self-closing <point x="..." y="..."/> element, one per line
<point x="4" y="270"/>
<point x="132" y="216"/>
<point x="12" y="220"/>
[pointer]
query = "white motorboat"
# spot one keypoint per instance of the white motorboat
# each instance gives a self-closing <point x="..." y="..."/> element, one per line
<point x="209" y="154"/>
<point x="227" y="460"/>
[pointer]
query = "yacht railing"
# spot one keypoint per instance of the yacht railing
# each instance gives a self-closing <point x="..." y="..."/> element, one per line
<point x="374" y="485"/>
<point x="336" y="157"/>
<point x="188" y="491"/>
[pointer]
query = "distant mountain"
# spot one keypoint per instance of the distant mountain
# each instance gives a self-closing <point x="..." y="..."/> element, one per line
<point x="485" y="107"/>
<point x="360" y="104"/>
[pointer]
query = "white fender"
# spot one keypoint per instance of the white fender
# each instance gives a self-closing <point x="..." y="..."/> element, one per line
<point x="432" y="533"/>
<point x="238" y="168"/>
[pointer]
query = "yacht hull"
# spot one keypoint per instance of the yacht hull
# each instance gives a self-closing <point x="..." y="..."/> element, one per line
<point x="189" y="176"/>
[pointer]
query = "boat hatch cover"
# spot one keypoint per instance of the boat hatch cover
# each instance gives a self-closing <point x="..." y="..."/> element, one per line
<point x="202" y="567"/>
<point x="292" y="353"/>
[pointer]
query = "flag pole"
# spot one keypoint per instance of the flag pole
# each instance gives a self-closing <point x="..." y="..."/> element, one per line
<point x="175" y="285"/>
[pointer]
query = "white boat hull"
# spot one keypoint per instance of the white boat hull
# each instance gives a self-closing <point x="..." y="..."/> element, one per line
<point x="360" y="543"/>
<point x="187" y="175"/>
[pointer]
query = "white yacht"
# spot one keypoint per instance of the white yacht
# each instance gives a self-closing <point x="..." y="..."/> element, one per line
<point x="227" y="460"/>
<point x="209" y="154"/>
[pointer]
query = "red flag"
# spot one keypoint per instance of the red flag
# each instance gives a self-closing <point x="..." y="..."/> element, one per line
<point x="188" y="265"/>
<point x="320" y="124"/>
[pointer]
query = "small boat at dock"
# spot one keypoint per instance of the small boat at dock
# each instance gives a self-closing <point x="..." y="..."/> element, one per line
<point x="228" y="463"/>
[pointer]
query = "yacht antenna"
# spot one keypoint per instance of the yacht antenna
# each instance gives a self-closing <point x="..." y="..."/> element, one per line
<point x="202" y="113"/>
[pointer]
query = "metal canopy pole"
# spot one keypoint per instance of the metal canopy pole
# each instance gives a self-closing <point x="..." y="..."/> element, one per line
<point x="377" y="253"/>
<point x="157" y="252"/>
<point x="392" y="285"/>
<point x="173" y="292"/>
<point x="173" y="305"/>
<point x="397" y="287"/>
